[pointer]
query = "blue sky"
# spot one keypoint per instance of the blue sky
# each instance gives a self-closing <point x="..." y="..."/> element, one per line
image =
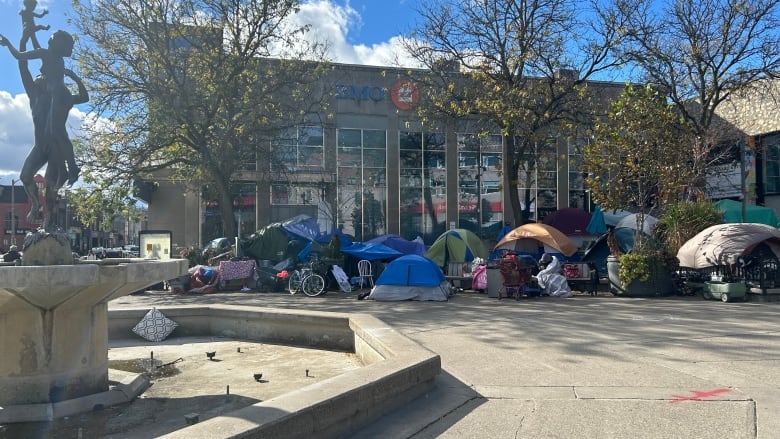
<point x="359" y="31"/>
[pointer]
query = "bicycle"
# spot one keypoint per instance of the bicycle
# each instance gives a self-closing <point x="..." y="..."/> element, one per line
<point x="307" y="280"/>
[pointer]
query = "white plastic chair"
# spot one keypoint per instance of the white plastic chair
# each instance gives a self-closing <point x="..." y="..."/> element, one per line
<point x="365" y="273"/>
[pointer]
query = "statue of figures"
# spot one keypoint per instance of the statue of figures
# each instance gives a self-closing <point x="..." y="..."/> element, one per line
<point x="50" y="103"/>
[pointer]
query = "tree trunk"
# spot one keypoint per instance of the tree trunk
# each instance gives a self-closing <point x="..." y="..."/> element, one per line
<point x="510" y="179"/>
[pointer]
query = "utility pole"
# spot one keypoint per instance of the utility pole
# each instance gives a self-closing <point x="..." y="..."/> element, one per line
<point x="13" y="212"/>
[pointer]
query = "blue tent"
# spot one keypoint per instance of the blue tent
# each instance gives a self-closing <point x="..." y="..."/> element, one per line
<point x="411" y="277"/>
<point x="404" y="246"/>
<point x="371" y="251"/>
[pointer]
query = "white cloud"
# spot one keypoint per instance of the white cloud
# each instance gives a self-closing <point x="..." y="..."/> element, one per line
<point x="332" y="23"/>
<point x="16" y="132"/>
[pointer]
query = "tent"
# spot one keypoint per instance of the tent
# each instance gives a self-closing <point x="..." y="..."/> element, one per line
<point x="529" y="237"/>
<point x="612" y="217"/>
<point x="371" y="251"/>
<point x="456" y="245"/>
<point x="723" y="244"/>
<point x="404" y="246"/>
<point x="271" y="243"/>
<point x="598" y="251"/>
<point x="411" y="277"/>
<point x="597" y="224"/>
<point x="571" y="221"/>
<point x="632" y="222"/>
<point x="732" y="213"/>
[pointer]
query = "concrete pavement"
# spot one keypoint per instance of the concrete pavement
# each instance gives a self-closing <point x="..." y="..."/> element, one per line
<point x="589" y="367"/>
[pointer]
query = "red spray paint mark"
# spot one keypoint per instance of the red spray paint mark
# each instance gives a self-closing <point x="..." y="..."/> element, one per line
<point x="698" y="395"/>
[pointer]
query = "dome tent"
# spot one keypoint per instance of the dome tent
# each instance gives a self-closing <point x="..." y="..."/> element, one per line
<point x="411" y="277"/>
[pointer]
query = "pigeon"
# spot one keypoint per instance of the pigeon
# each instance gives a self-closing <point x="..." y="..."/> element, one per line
<point x="258" y="377"/>
<point x="211" y="355"/>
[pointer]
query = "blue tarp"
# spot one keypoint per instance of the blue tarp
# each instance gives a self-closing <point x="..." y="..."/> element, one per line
<point x="412" y="270"/>
<point x="371" y="251"/>
<point x="302" y="226"/>
<point x="404" y="246"/>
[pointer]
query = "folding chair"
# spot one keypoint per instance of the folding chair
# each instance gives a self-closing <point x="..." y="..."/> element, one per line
<point x="365" y="273"/>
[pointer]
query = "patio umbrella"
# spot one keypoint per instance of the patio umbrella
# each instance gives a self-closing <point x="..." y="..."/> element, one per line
<point x="722" y="244"/>
<point x="456" y="245"/>
<point x="518" y="239"/>
<point x="632" y="222"/>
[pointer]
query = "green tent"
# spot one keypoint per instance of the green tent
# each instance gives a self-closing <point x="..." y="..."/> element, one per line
<point x="456" y="245"/>
<point x="732" y="213"/>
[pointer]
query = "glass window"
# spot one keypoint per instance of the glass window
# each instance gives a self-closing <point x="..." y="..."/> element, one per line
<point x="361" y="174"/>
<point x="422" y="180"/>
<point x="296" y="148"/>
<point x="772" y="166"/>
<point x="349" y="138"/>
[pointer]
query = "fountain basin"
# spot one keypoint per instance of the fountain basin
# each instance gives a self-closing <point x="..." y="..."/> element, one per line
<point x="53" y="326"/>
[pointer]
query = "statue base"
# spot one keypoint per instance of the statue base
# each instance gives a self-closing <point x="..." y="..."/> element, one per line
<point x="42" y="248"/>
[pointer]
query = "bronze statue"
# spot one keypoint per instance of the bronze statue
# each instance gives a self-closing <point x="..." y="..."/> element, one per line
<point x="50" y="103"/>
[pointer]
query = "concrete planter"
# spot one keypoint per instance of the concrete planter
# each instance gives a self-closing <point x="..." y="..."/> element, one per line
<point x="659" y="284"/>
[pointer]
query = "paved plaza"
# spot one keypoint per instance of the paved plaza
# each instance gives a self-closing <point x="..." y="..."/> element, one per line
<point x="584" y="367"/>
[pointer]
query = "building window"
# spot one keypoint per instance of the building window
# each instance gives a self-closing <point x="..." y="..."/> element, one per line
<point x="298" y="148"/>
<point x="479" y="199"/>
<point x="361" y="198"/>
<point x="772" y="165"/>
<point x="423" y="188"/>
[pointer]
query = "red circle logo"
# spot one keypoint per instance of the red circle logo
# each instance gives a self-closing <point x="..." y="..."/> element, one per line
<point x="404" y="94"/>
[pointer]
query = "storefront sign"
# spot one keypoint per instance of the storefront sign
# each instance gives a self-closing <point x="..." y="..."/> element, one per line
<point x="358" y="93"/>
<point x="404" y="94"/>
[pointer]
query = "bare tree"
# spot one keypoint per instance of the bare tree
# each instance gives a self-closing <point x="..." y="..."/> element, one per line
<point x="701" y="52"/>
<point x="522" y="66"/>
<point x="193" y="87"/>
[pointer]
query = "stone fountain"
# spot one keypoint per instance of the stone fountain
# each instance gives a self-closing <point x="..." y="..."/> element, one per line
<point x="53" y="313"/>
<point x="54" y="331"/>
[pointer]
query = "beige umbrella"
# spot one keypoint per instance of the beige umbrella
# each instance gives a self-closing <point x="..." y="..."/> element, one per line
<point x="520" y="238"/>
<point x="722" y="244"/>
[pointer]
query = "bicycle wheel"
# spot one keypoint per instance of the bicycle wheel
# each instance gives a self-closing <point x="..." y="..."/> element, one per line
<point x="313" y="285"/>
<point x="294" y="283"/>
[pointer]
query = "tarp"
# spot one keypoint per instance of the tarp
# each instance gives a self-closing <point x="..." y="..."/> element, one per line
<point x="371" y="251"/>
<point x="411" y="277"/>
<point x="539" y="233"/>
<point x="272" y="242"/>
<point x="571" y="221"/>
<point x="597" y="225"/>
<point x="456" y="245"/>
<point x="723" y="244"/>
<point x="732" y="213"/>
<point x="400" y="244"/>
<point x="269" y="243"/>
<point x="302" y="226"/>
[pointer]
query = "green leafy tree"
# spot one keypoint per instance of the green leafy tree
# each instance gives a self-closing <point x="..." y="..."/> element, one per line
<point x="640" y="157"/>
<point x="522" y="66"/>
<point x="188" y="88"/>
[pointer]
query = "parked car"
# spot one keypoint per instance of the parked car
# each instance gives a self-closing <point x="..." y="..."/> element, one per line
<point x="217" y="246"/>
